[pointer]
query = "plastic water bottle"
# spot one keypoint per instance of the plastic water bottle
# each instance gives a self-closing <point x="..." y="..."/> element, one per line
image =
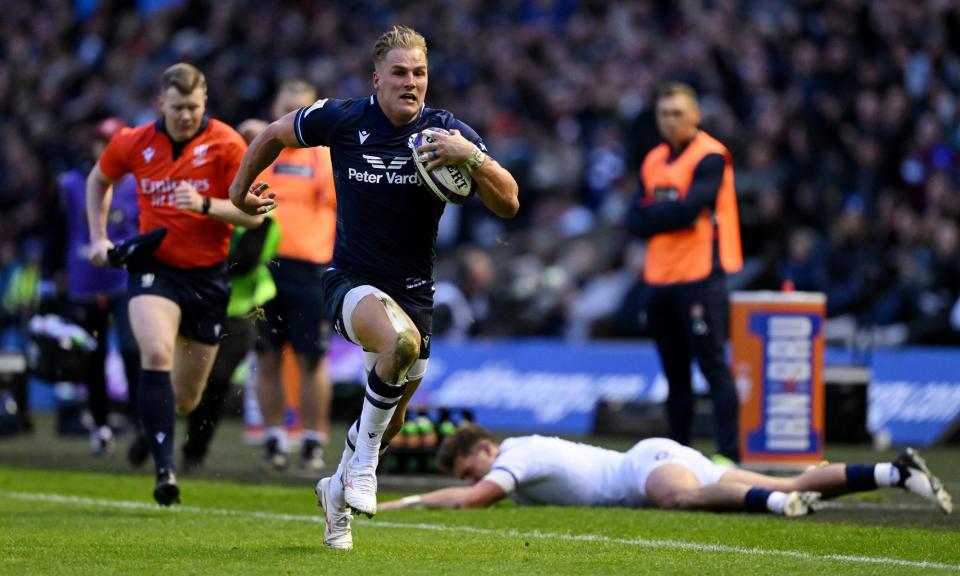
<point x="428" y="434"/>
<point x="411" y="430"/>
<point x="447" y="428"/>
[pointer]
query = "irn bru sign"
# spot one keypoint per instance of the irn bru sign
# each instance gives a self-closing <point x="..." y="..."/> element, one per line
<point x="778" y="367"/>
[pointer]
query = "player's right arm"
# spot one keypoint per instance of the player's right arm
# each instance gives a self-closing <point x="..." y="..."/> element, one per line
<point x="99" y="194"/>
<point x="309" y="126"/>
<point x="481" y="494"/>
<point x="263" y="150"/>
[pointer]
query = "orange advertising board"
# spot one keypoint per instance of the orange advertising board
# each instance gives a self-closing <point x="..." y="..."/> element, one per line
<point x="777" y="340"/>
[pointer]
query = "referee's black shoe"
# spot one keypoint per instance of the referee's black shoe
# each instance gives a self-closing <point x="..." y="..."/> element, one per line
<point x="166" y="492"/>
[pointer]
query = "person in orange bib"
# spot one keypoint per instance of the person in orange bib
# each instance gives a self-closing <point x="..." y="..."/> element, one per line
<point x="307" y="218"/>
<point x="687" y="209"/>
<point x="183" y="163"/>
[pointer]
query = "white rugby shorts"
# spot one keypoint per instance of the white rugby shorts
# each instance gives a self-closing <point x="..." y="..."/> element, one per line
<point x="648" y="455"/>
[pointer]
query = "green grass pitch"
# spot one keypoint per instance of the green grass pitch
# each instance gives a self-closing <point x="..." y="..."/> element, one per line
<point x="63" y="512"/>
<point x="56" y="522"/>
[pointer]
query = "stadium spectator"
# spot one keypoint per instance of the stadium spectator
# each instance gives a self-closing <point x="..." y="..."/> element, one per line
<point x="95" y="298"/>
<point x="307" y="220"/>
<point x="379" y="290"/>
<point x="656" y="472"/>
<point x="178" y="302"/>
<point x="817" y="101"/>
<point x="461" y="306"/>
<point x="687" y="208"/>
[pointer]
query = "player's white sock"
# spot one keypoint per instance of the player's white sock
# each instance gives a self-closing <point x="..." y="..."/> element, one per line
<point x="349" y="442"/>
<point x="886" y="474"/>
<point x="336" y="485"/>
<point x="776" y="501"/>
<point x="379" y="403"/>
<point x="278" y="433"/>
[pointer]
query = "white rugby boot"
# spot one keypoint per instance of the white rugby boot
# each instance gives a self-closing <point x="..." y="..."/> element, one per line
<point x="916" y="478"/>
<point x="336" y="528"/>
<point x="800" y="503"/>
<point x="360" y="487"/>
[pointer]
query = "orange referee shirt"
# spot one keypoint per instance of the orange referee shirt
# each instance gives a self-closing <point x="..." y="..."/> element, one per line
<point x="209" y="161"/>
<point x="306" y="203"/>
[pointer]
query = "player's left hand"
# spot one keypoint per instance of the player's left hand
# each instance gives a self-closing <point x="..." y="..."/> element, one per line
<point x="447" y="149"/>
<point x="186" y="197"/>
<point x="257" y="200"/>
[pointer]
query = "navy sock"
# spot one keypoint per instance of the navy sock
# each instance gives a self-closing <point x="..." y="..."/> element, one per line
<point x="157" y="415"/>
<point x="860" y="477"/>
<point x="353" y="429"/>
<point x="756" y="500"/>
<point x="388" y="391"/>
<point x="379" y="404"/>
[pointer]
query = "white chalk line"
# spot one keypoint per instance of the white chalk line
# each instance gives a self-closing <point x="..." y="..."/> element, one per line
<point x="503" y="533"/>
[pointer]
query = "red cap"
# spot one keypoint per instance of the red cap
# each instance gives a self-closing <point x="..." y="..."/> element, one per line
<point x="107" y="127"/>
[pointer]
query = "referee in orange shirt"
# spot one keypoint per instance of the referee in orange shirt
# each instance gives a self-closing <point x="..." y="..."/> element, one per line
<point x="184" y="163"/>
<point x="307" y="218"/>
<point x="687" y="208"/>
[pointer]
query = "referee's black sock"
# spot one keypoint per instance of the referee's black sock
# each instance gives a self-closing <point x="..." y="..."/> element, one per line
<point x="157" y="415"/>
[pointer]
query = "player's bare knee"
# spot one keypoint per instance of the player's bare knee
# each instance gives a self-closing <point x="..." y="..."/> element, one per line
<point x="406" y="350"/>
<point x="156" y="358"/>
<point x="186" y="403"/>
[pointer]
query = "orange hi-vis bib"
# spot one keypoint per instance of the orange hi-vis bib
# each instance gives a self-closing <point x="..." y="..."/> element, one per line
<point x="686" y="255"/>
<point x="306" y="203"/>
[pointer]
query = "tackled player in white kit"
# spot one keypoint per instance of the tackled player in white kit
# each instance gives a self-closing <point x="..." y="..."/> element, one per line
<point x="656" y="472"/>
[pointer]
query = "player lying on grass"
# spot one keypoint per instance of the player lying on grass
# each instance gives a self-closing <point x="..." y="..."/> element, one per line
<point x="656" y="472"/>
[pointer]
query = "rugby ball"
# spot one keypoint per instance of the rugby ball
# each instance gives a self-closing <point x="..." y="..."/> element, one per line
<point x="449" y="183"/>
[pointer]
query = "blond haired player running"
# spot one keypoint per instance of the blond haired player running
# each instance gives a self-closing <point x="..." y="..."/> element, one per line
<point x="379" y="288"/>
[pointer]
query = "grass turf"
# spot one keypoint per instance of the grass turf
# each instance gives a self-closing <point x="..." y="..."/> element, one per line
<point x="237" y="518"/>
<point x="244" y="529"/>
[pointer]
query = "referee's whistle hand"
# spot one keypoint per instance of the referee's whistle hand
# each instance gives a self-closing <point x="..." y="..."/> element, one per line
<point x="186" y="197"/>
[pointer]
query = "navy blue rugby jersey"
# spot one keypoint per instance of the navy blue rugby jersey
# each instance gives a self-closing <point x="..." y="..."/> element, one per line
<point x="386" y="219"/>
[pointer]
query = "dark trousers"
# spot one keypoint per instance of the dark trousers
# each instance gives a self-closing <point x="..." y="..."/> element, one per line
<point x="95" y="317"/>
<point x="239" y="336"/>
<point x="690" y="321"/>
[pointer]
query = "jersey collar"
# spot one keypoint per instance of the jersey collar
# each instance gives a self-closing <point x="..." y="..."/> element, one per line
<point x="161" y="126"/>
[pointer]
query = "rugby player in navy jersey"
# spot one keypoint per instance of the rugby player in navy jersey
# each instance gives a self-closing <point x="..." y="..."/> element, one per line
<point x="379" y="288"/>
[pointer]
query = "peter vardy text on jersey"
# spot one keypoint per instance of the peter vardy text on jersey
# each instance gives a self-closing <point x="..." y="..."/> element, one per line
<point x="391" y="177"/>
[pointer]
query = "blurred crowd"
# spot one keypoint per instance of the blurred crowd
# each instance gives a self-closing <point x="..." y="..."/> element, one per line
<point x="842" y="117"/>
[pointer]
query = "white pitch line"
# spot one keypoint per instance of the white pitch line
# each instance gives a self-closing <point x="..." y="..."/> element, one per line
<point x="885" y="506"/>
<point x="507" y="533"/>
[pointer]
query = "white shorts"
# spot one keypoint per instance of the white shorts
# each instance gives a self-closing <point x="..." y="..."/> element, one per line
<point x="648" y="455"/>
